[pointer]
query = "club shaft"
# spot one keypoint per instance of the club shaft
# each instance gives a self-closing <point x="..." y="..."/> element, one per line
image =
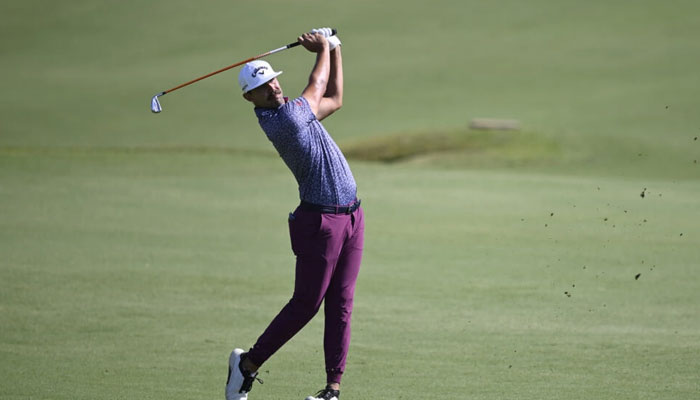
<point x="231" y="66"/>
<point x="289" y="46"/>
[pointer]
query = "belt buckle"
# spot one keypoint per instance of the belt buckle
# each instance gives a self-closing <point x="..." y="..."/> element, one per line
<point x="352" y="207"/>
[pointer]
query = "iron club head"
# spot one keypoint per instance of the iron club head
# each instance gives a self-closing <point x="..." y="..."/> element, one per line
<point x="155" y="104"/>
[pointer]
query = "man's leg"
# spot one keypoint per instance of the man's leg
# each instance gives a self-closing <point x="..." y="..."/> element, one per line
<point x="317" y="246"/>
<point x="339" y="301"/>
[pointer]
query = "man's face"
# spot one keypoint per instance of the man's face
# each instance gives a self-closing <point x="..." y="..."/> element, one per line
<point x="268" y="95"/>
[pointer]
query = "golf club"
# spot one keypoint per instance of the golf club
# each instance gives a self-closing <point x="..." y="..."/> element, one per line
<point x="155" y="103"/>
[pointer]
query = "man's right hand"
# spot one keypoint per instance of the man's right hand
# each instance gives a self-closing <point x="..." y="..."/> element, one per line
<point x="313" y="42"/>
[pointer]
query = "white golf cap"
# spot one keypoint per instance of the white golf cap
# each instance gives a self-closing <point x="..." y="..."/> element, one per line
<point x="256" y="73"/>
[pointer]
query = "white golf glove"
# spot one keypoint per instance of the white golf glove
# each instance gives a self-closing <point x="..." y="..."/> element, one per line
<point x="326" y="32"/>
<point x="333" y="40"/>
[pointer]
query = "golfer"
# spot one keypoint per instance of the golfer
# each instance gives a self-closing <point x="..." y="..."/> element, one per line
<point x="326" y="229"/>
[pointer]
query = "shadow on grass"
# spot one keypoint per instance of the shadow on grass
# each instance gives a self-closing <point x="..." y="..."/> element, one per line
<point x="464" y="147"/>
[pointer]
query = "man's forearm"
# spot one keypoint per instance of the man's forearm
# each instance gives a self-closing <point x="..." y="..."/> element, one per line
<point x="325" y="89"/>
<point x="334" y="89"/>
<point x="319" y="78"/>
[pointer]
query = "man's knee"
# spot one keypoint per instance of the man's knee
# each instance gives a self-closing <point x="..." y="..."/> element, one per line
<point x="339" y="306"/>
<point x="304" y="308"/>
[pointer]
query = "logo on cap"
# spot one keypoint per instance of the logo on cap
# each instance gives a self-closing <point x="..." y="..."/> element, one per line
<point x="259" y="70"/>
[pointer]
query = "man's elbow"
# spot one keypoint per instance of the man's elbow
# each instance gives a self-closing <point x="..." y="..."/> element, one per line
<point x="332" y="108"/>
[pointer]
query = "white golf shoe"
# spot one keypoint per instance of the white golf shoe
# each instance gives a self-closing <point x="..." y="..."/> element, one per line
<point x="239" y="382"/>
<point x="326" y="394"/>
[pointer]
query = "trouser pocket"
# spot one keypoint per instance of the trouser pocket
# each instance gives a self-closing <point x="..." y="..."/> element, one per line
<point x="303" y="229"/>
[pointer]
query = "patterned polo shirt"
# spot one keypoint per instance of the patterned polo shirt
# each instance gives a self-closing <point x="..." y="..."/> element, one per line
<point x="320" y="169"/>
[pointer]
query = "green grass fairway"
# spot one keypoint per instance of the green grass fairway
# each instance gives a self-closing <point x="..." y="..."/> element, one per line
<point x="556" y="262"/>
<point x="132" y="275"/>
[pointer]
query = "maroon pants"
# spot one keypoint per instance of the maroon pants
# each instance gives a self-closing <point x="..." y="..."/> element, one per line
<point x="328" y="248"/>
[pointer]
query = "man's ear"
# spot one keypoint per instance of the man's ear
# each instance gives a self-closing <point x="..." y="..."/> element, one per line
<point x="246" y="96"/>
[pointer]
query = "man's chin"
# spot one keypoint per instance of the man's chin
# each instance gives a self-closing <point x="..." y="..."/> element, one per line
<point x="277" y="101"/>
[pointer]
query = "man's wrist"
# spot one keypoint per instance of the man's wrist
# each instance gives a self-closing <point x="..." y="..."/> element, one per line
<point x="333" y="42"/>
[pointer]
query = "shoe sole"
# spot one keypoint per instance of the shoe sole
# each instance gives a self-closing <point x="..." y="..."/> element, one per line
<point x="233" y="361"/>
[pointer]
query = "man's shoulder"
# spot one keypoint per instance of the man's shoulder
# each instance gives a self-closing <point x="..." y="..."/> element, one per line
<point x="298" y="105"/>
<point x="298" y="102"/>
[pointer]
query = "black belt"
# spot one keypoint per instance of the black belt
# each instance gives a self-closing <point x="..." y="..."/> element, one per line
<point x="330" y="209"/>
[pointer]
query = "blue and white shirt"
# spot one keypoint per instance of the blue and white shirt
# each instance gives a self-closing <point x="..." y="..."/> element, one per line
<point x="320" y="169"/>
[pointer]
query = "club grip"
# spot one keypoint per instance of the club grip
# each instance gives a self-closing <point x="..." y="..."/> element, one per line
<point x="295" y="44"/>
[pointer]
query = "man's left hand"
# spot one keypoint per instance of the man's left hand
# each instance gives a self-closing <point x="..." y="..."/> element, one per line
<point x="333" y="40"/>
